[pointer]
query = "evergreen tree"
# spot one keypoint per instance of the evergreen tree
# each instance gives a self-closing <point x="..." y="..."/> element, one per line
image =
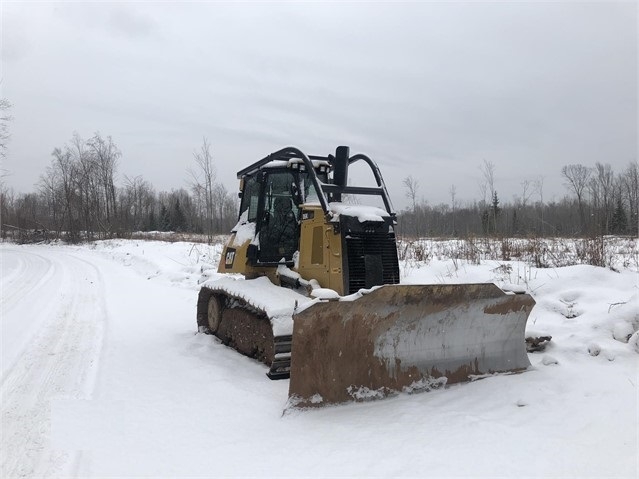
<point x="485" y="222"/>
<point x="515" y="222"/>
<point x="619" y="222"/>
<point x="152" y="223"/>
<point x="179" y="220"/>
<point x="489" y="216"/>
<point x="495" y="211"/>
<point x="165" y="220"/>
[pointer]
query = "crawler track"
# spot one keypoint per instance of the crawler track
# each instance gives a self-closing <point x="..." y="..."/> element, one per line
<point x="244" y="328"/>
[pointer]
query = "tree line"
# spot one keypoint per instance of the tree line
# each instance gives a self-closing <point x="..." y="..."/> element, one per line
<point x="598" y="201"/>
<point x="77" y="197"/>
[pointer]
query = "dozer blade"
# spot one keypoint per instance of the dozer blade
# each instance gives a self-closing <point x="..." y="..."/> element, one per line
<point x="405" y="338"/>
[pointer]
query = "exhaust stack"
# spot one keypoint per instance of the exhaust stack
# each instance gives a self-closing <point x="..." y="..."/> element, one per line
<point x="340" y="170"/>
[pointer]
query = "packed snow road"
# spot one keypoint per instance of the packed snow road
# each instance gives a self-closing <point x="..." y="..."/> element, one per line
<point x="52" y="319"/>
<point x="103" y="375"/>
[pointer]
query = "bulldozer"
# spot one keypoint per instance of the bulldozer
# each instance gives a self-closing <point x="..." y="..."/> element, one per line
<point x="313" y="291"/>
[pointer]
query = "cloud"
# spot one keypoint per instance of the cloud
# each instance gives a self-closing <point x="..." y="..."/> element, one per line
<point x="131" y="23"/>
<point x="426" y="89"/>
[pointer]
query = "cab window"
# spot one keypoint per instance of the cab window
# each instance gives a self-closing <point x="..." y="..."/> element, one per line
<point x="250" y="198"/>
<point x="279" y="229"/>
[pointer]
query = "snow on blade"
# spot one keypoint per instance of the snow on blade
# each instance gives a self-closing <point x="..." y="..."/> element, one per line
<point x="325" y="293"/>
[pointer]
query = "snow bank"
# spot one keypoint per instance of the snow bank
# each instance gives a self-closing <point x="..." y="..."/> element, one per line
<point x="182" y="404"/>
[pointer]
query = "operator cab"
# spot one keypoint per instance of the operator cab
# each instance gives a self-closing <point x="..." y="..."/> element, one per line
<point x="272" y="196"/>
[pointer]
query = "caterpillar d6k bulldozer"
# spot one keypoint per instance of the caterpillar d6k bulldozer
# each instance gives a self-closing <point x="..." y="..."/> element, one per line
<point x="316" y="293"/>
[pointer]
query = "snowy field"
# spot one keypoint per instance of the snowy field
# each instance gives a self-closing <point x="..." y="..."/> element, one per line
<point x="103" y="375"/>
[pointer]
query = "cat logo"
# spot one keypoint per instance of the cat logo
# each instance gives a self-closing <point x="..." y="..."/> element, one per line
<point x="230" y="257"/>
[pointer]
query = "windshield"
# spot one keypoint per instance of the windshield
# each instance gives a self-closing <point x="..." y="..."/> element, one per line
<point x="308" y="188"/>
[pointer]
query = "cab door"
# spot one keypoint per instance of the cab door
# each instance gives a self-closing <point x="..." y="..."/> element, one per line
<point x="278" y="225"/>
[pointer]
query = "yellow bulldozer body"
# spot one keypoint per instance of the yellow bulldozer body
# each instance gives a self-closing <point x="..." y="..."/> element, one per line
<point x="331" y="314"/>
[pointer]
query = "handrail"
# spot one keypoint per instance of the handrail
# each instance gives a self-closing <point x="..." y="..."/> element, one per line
<point x="289" y="153"/>
<point x="322" y="189"/>
<point x="378" y="178"/>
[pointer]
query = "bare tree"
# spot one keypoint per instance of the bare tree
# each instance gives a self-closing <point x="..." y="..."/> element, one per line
<point x="136" y="205"/>
<point x="61" y="181"/>
<point x="519" y="219"/>
<point x="78" y="188"/>
<point x="526" y="192"/>
<point x="5" y="118"/>
<point x="630" y="191"/>
<point x="6" y="206"/>
<point x="203" y="183"/>
<point x="539" y="187"/>
<point x="412" y="187"/>
<point x="488" y="185"/>
<point x="453" y="205"/>
<point x="602" y="185"/>
<point x="77" y="197"/>
<point x="219" y="196"/>
<point x="576" y="178"/>
<point x="49" y="190"/>
<point x="105" y="155"/>
<point x="85" y="184"/>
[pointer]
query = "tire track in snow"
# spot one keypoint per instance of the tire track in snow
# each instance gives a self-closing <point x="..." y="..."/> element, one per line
<point x="18" y="311"/>
<point x="60" y="362"/>
<point x="23" y="279"/>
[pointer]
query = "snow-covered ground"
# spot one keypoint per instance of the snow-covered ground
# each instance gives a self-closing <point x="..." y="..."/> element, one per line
<point x="103" y="375"/>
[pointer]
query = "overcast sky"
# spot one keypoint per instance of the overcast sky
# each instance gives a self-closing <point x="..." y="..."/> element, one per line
<point x="426" y="89"/>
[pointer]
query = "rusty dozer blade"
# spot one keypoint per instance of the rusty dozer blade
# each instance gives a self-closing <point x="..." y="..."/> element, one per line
<point x="405" y="338"/>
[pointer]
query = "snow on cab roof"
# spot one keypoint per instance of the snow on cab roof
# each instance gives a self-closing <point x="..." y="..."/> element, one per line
<point x="362" y="212"/>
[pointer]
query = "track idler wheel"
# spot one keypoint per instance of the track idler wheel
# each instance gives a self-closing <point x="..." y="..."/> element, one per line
<point x="214" y="313"/>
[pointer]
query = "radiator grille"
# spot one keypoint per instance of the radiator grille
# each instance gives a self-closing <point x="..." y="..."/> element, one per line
<point x="360" y="245"/>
